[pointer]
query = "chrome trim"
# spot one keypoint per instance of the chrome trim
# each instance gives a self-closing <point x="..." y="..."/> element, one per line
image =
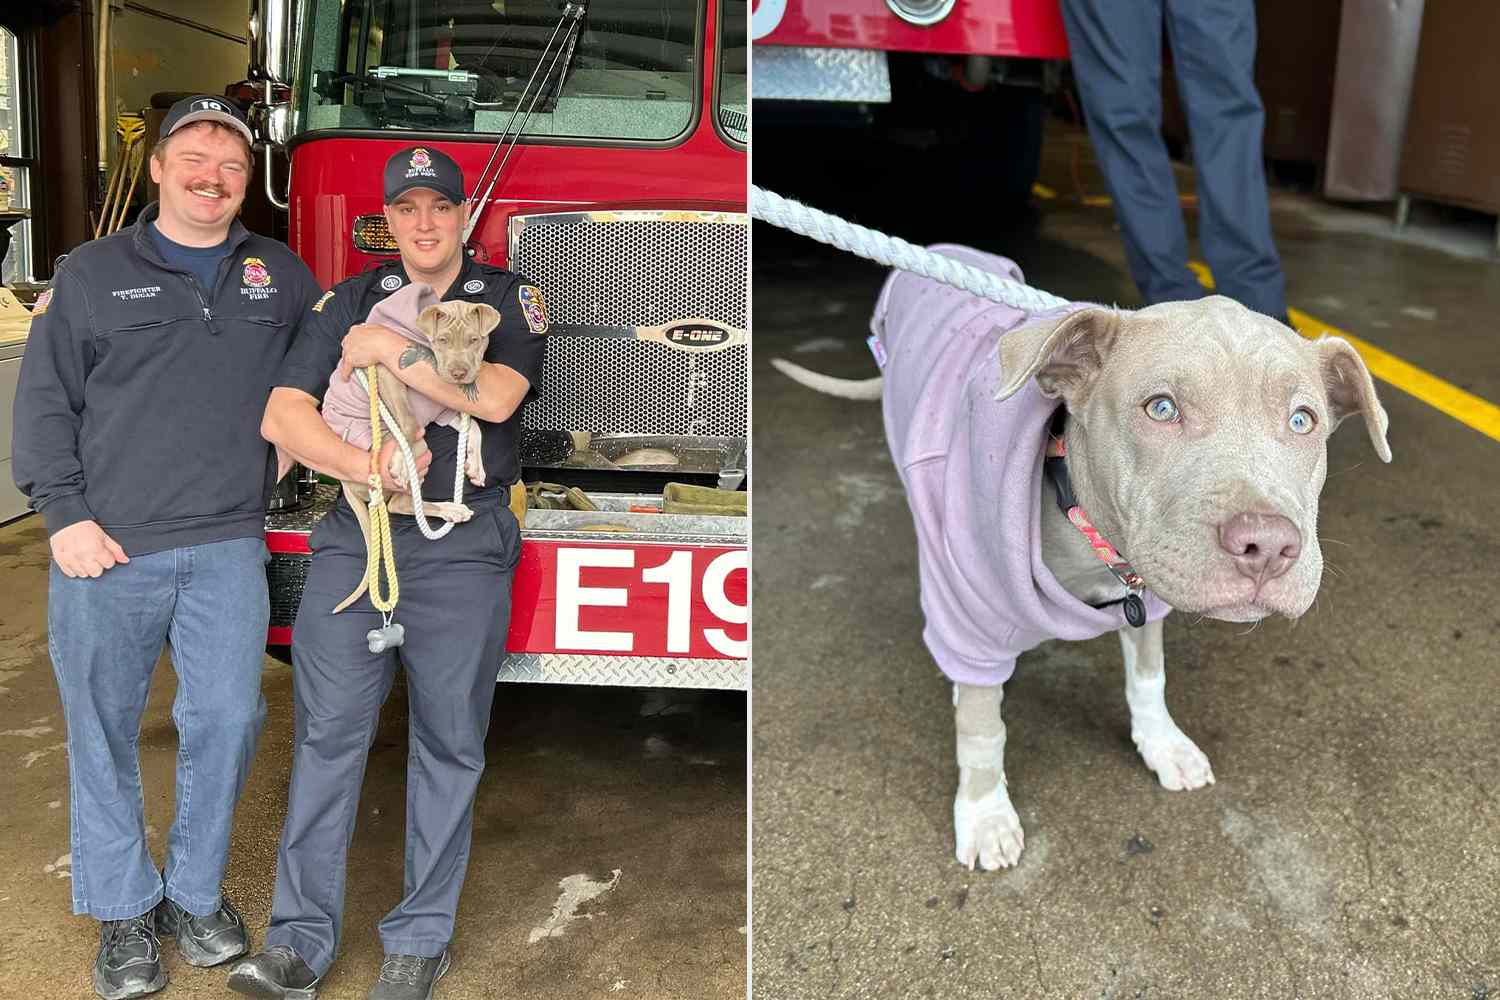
<point x="519" y="223"/>
<point x="922" y="13"/>
<point x="624" y="671"/>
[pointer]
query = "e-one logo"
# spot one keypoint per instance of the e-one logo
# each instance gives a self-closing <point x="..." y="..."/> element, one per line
<point x="696" y="335"/>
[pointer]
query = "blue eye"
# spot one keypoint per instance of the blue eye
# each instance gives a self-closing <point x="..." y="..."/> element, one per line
<point x="1302" y="421"/>
<point x="1161" y="409"/>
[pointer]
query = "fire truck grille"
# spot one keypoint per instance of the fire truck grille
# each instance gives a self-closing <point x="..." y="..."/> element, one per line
<point x="629" y="269"/>
<point x="606" y="275"/>
<point x="286" y="575"/>
<point x="615" y="386"/>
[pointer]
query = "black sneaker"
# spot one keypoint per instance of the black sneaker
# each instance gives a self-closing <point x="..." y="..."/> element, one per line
<point x="408" y="977"/>
<point x="129" y="962"/>
<point x="204" y="941"/>
<point x="278" y="973"/>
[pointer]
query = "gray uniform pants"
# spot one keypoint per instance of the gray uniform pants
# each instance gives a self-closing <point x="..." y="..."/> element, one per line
<point x="455" y="606"/>
<point x="1116" y="53"/>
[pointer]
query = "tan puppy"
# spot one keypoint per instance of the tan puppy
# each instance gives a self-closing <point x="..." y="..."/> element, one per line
<point x="1196" y="442"/>
<point x="1176" y="495"/>
<point x="457" y="335"/>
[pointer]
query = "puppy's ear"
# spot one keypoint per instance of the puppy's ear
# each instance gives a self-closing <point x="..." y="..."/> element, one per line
<point x="1351" y="390"/>
<point x="429" y="319"/>
<point x="485" y="318"/>
<point x="1064" y="355"/>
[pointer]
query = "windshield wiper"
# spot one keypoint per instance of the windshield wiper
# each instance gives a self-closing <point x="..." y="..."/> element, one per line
<point x="572" y="18"/>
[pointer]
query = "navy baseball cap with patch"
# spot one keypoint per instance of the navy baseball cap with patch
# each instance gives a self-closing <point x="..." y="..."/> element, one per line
<point x="206" y="108"/>
<point x="420" y="167"/>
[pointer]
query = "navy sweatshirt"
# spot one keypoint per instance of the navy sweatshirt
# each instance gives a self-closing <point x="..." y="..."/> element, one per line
<point x="141" y="391"/>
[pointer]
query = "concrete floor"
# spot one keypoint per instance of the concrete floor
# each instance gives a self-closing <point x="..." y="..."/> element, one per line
<point x="637" y="788"/>
<point x="1351" y="845"/>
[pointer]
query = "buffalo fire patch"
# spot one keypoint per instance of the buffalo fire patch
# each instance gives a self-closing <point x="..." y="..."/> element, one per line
<point x="391" y="282"/>
<point x="534" y="307"/>
<point x="318" y="305"/>
<point x="42" y="302"/>
<point x="420" y="160"/>
<point x="257" y="287"/>
<point x="256" y="275"/>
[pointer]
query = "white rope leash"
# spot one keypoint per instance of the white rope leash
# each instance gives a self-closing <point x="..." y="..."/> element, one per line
<point x="895" y="252"/>
<point x="411" y="465"/>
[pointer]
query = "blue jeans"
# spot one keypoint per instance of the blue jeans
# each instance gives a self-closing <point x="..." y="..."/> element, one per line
<point x="105" y="635"/>
<point x="1117" y="61"/>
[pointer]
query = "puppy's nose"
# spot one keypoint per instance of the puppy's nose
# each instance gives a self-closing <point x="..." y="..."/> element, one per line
<point x="1263" y="546"/>
<point x="458" y="374"/>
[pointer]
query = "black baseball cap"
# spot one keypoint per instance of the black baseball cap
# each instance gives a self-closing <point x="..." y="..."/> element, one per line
<point x="206" y="108"/>
<point x="420" y="167"/>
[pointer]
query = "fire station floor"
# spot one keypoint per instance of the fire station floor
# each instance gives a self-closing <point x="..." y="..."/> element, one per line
<point x="609" y="845"/>
<point x="1351" y="845"/>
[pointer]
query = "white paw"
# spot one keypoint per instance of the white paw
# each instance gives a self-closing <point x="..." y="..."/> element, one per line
<point x="987" y="831"/>
<point x="1177" y="761"/>
<point x="474" y="455"/>
<point x="397" y="469"/>
<point x="456" y="512"/>
<point x="474" y="468"/>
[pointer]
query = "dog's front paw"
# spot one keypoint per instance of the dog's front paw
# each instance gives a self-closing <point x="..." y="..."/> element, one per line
<point x="397" y="469"/>
<point x="1177" y="761"/>
<point x="987" y="831"/>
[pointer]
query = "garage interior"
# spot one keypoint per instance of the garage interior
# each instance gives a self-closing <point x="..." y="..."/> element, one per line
<point x="610" y="839"/>
<point x="1348" y="848"/>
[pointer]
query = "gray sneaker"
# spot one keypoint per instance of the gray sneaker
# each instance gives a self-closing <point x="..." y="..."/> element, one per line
<point x="408" y="977"/>
<point x="278" y="973"/>
<point x="204" y="941"/>
<point x="129" y="962"/>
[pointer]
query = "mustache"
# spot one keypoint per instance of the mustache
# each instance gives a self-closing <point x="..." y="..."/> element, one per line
<point x="216" y="188"/>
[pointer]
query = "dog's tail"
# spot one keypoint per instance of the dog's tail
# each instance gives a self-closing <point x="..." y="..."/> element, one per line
<point x="844" y="388"/>
<point x="363" y="516"/>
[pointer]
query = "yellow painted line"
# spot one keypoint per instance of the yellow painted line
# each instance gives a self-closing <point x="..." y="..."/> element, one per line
<point x="1465" y="407"/>
<point x="1046" y="193"/>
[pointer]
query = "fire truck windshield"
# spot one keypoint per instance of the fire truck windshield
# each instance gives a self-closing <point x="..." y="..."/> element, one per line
<point x="462" y="66"/>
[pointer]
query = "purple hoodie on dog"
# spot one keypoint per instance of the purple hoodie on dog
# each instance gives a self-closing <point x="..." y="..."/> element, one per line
<point x="972" y="468"/>
<point x="346" y="405"/>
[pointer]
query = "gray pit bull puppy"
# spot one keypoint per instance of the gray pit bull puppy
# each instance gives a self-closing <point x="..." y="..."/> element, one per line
<point x="1196" y="444"/>
<point x="457" y="335"/>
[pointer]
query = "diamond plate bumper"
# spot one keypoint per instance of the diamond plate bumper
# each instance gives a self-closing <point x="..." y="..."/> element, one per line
<point x="809" y="74"/>
<point x="625" y="671"/>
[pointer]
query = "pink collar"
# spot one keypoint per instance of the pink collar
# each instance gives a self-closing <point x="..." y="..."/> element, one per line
<point x="1057" y="468"/>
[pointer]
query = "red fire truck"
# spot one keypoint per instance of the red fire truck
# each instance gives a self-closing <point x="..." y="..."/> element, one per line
<point x="605" y="145"/>
<point x="942" y="97"/>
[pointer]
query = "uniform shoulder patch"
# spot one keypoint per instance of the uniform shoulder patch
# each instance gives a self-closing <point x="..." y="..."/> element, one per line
<point x="535" y="308"/>
<point x="42" y="302"/>
<point x="318" y="305"/>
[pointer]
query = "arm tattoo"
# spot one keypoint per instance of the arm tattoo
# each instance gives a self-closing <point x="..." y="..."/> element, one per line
<point x="418" y="352"/>
<point x="471" y="390"/>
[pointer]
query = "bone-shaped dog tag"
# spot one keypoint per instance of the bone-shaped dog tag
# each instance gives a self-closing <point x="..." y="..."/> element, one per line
<point x="387" y="637"/>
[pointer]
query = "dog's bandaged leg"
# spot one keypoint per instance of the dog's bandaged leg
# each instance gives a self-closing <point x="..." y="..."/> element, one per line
<point x="1177" y="761"/>
<point x="987" y="831"/>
